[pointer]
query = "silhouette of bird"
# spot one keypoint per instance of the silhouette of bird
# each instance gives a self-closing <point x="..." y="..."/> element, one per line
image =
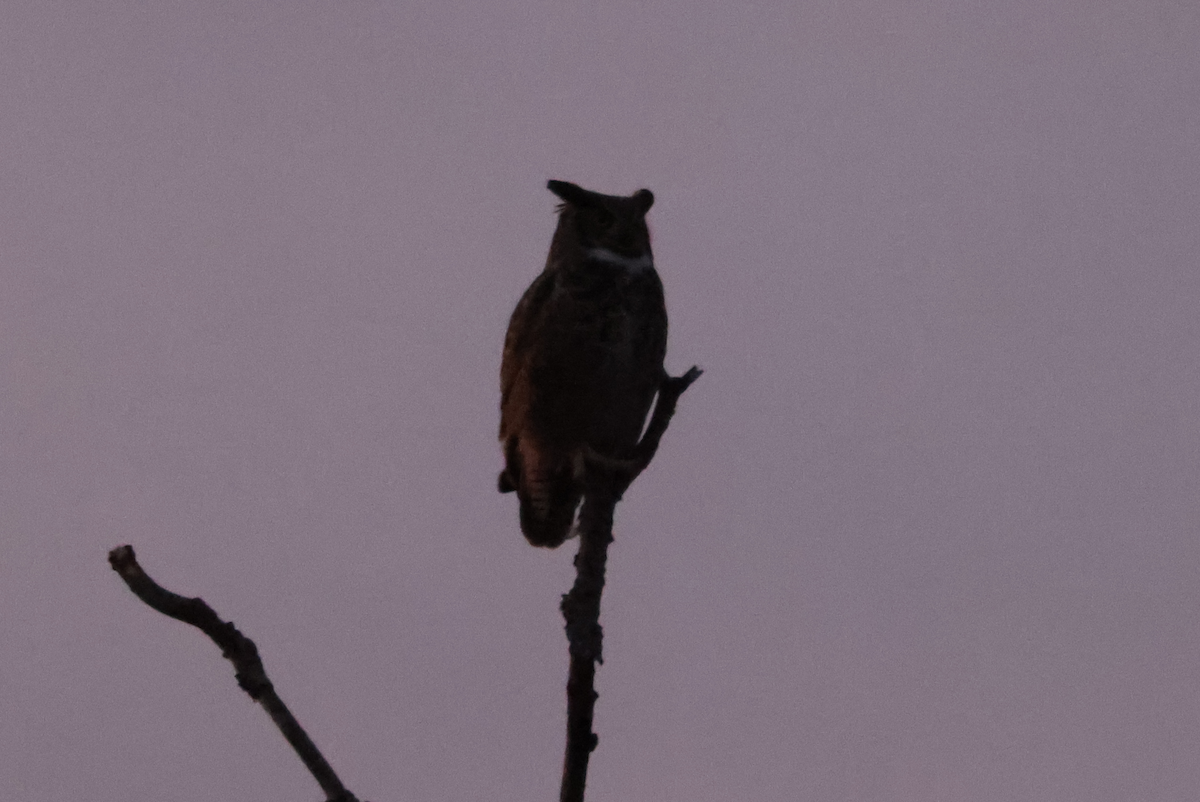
<point x="583" y="356"/>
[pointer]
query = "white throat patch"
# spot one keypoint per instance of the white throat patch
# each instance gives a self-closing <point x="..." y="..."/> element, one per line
<point x="633" y="264"/>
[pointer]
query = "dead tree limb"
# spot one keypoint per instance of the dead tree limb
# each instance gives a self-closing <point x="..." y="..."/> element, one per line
<point x="239" y="650"/>
<point x="606" y="481"/>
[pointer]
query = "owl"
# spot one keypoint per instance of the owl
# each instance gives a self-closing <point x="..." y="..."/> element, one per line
<point x="583" y="356"/>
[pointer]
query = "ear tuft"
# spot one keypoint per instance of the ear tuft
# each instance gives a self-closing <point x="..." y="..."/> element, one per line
<point x="571" y="193"/>
<point x="645" y="199"/>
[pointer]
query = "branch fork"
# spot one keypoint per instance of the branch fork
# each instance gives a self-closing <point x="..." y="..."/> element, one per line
<point x="605" y="480"/>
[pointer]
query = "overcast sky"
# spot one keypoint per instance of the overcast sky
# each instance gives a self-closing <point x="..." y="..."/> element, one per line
<point x="925" y="531"/>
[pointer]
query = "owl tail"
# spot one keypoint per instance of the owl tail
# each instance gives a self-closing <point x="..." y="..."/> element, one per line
<point x="547" y="512"/>
<point x="549" y="495"/>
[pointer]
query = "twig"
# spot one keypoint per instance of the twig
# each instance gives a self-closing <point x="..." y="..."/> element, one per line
<point x="240" y="651"/>
<point x="607" y="480"/>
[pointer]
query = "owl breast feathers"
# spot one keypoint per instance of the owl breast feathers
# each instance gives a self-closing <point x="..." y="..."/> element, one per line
<point x="583" y="356"/>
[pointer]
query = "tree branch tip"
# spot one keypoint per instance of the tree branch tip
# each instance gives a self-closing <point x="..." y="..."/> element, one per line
<point x="123" y="560"/>
<point x="249" y="672"/>
<point x="121" y="555"/>
<point x="676" y="385"/>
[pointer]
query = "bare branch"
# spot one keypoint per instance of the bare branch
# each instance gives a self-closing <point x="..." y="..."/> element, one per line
<point x="606" y="480"/>
<point x="240" y="651"/>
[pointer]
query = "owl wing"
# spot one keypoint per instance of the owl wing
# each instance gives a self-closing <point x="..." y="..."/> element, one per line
<point x="523" y="329"/>
<point x="544" y="482"/>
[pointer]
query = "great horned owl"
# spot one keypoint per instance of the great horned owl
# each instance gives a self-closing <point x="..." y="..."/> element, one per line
<point x="583" y="356"/>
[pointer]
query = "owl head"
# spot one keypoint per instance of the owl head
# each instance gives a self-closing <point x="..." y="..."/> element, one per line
<point x="603" y="223"/>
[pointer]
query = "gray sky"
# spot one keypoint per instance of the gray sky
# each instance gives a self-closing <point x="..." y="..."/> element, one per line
<point x="925" y="530"/>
